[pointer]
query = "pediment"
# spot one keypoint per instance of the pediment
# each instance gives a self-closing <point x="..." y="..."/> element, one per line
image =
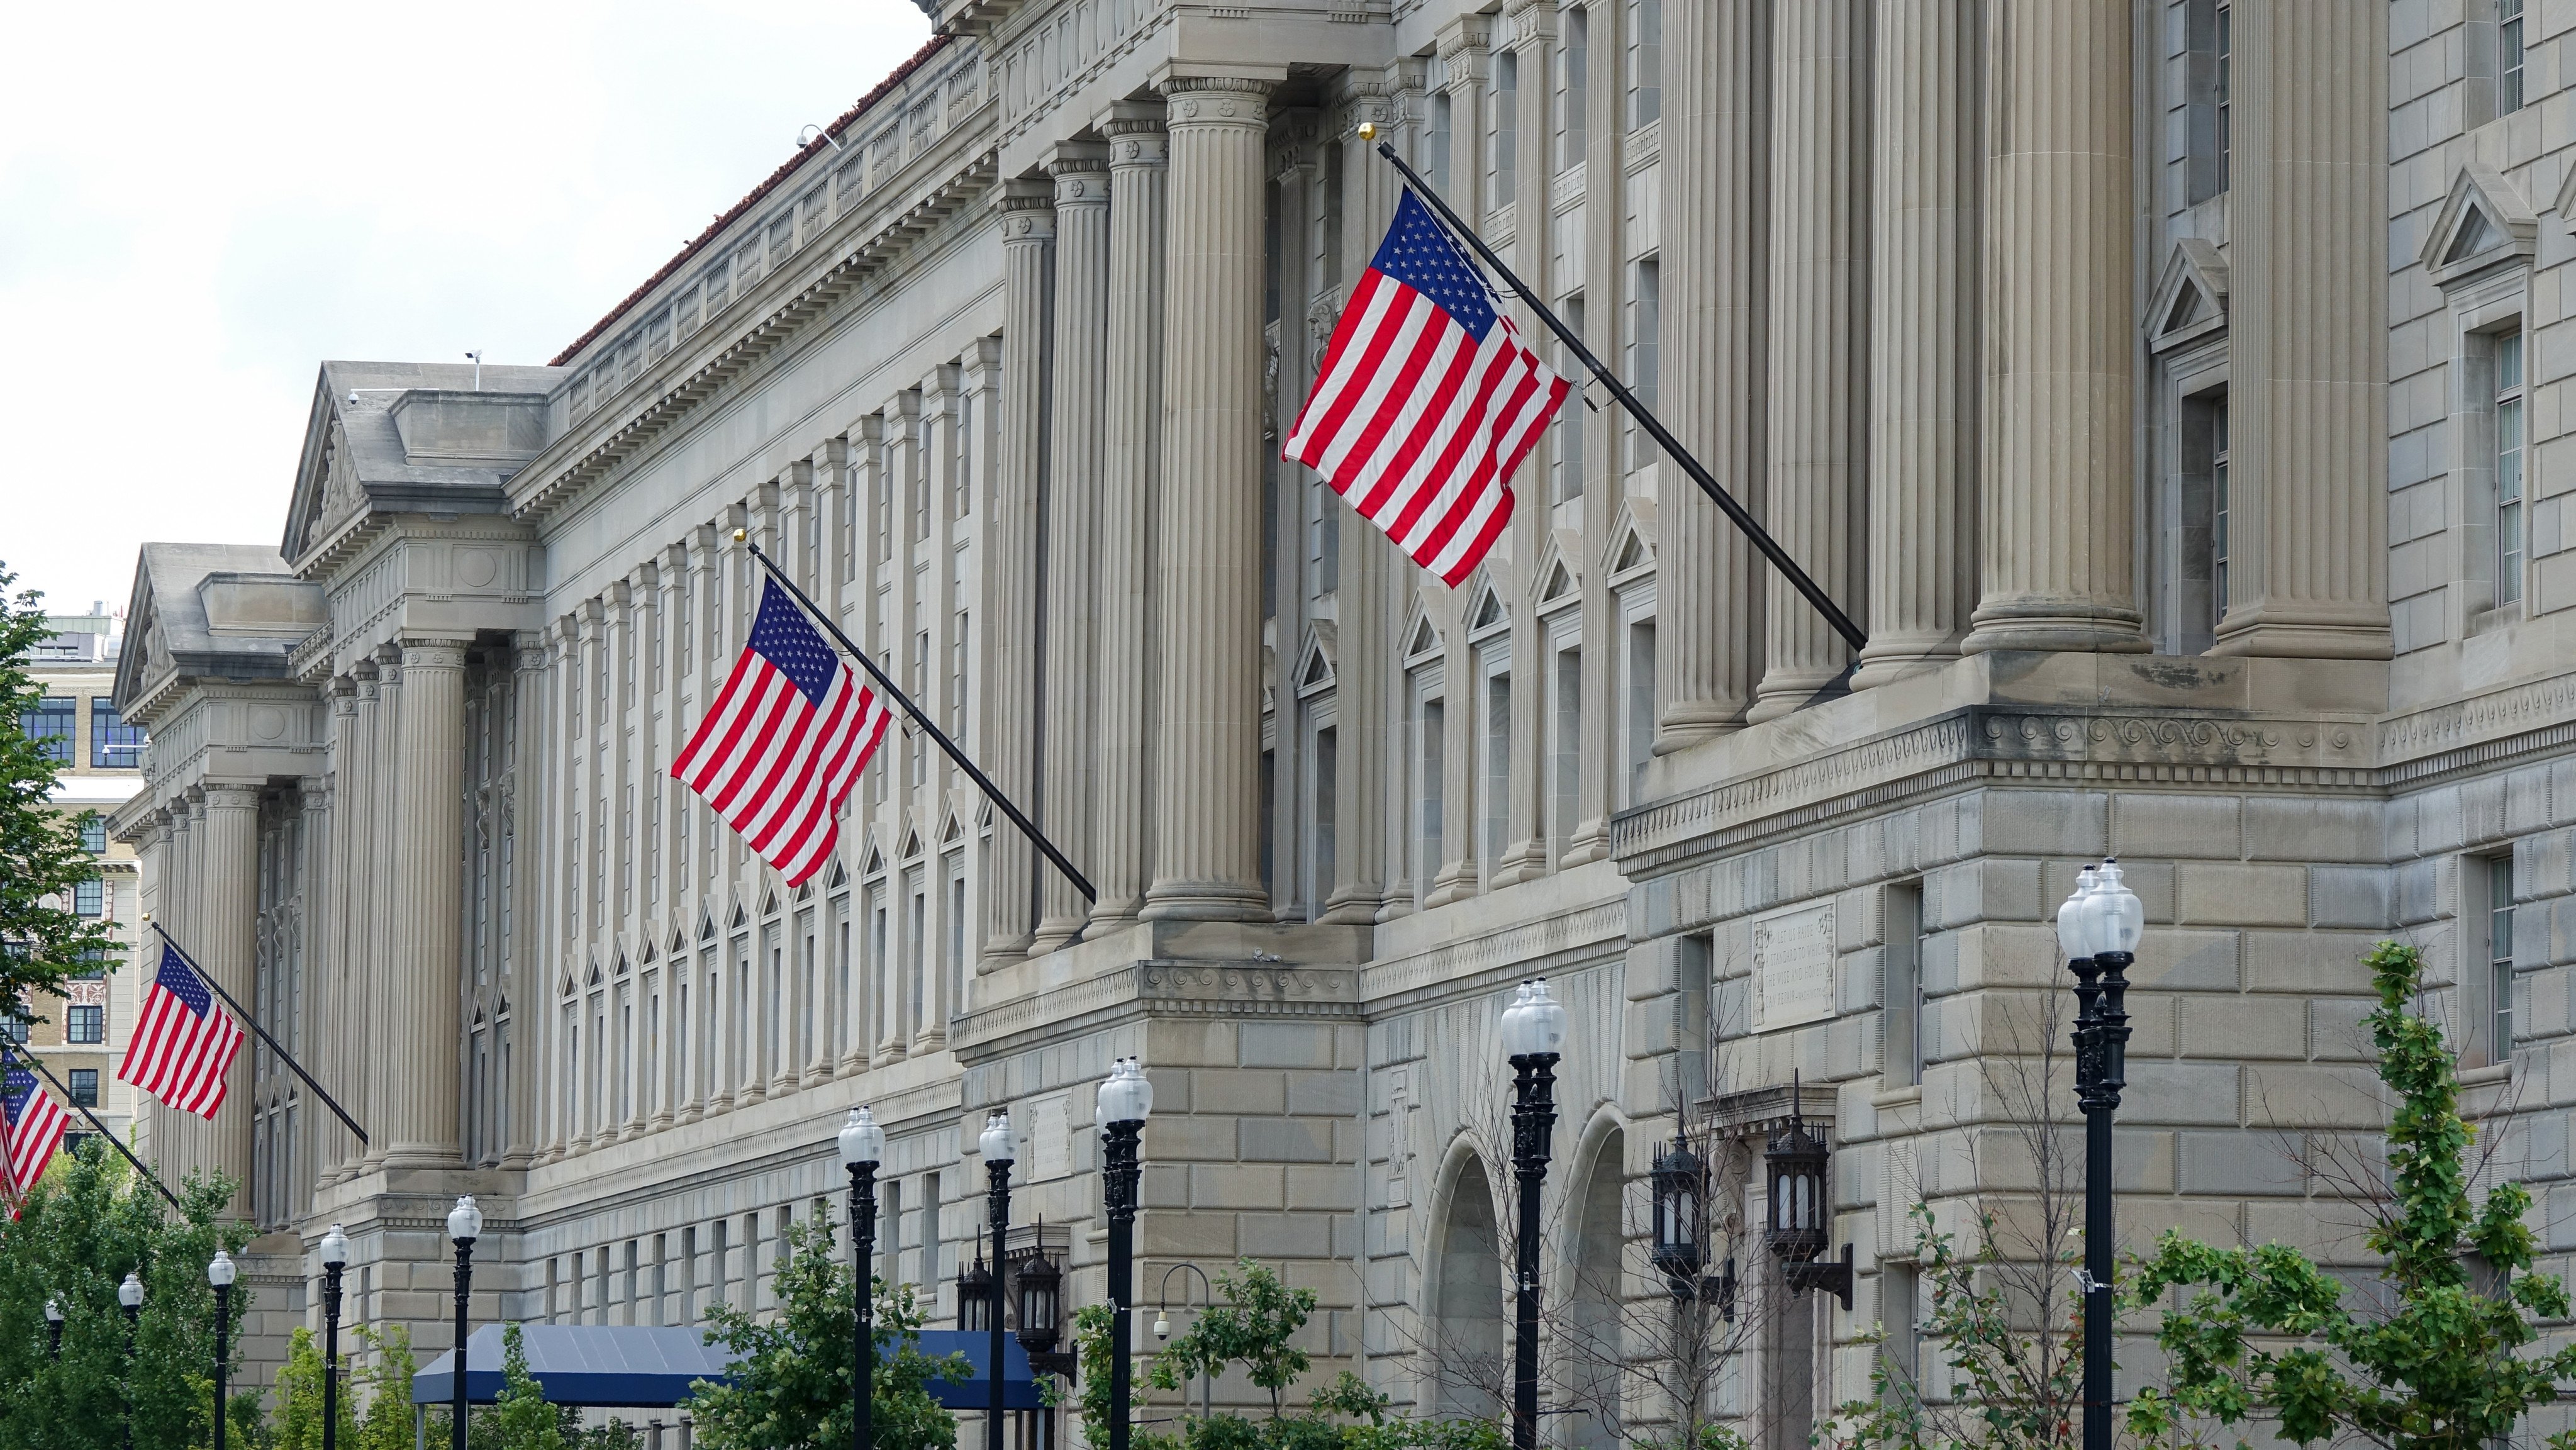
<point x="2190" y="300"/>
<point x="1316" y="666"/>
<point x="1632" y="544"/>
<point x="1421" y="637"/>
<point x="2483" y="223"/>
<point x="409" y="437"/>
<point x="1560" y="572"/>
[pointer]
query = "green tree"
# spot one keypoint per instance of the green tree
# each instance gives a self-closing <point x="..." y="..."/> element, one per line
<point x="2444" y="1367"/>
<point x="42" y="941"/>
<point x="1255" y="1327"/>
<point x="297" y="1420"/>
<point x="383" y="1380"/>
<point x="521" y="1418"/>
<point x="83" y="1228"/>
<point x="791" y="1386"/>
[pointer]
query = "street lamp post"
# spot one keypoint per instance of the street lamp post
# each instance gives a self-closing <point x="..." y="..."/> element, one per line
<point x="129" y="1302"/>
<point x="1125" y="1102"/>
<point x="996" y="1145"/>
<point x="2098" y="928"/>
<point x="862" y="1149"/>
<point x="335" y="1257"/>
<point x="219" y="1272"/>
<point x="464" y="1226"/>
<point x="1533" y="1031"/>
<point x="53" y="1330"/>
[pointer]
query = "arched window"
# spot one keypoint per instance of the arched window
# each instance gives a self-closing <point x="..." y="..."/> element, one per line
<point x="1471" y="1350"/>
<point x="1590" y="1366"/>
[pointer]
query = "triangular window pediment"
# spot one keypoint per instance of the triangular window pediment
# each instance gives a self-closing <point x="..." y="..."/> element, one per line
<point x="2190" y="301"/>
<point x="1316" y="670"/>
<point x="953" y="834"/>
<point x="876" y="863"/>
<point x="1560" y="583"/>
<point x="2483" y="223"/>
<point x="680" y="939"/>
<point x="1489" y="611"/>
<point x="1632" y="554"/>
<point x="706" y="927"/>
<point x="769" y="904"/>
<point x="840" y="876"/>
<point x="1425" y="639"/>
<point x="740" y="917"/>
<point x="594" y="974"/>
<point x="805" y="892"/>
<point x="621" y="964"/>
<point x="646" y="960"/>
<point x="912" y="845"/>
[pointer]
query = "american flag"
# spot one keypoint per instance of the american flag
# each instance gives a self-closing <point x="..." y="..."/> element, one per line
<point x="31" y="1127"/>
<point x="784" y="740"/>
<point x="1427" y="400"/>
<point x="184" y="1042"/>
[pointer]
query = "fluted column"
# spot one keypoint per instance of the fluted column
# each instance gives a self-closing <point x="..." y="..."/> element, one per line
<point x="421" y="1001"/>
<point x="386" y="898"/>
<point x="222" y="938"/>
<point x="533" y="919"/>
<point x="331" y="962"/>
<point x="2308" y="334"/>
<point x="1010" y="565"/>
<point x="1130" y="478"/>
<point x="1078" y="386"/>
<point x="1208" y="731"/>
<point x="1923" y="334"/>
<point x="2059" y="477"/>
<point x="310" y="1004"/>
<point x="1819" y="376"/>
<point x="1708" y="581"/>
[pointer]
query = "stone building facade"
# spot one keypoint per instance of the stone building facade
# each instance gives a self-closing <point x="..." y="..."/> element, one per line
<point x="2170" y="386"/>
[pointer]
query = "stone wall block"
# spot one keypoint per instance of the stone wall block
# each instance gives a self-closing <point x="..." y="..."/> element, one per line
<point x="2414" y="892"/>
<point x="2149" y="827"/>
<point x="2142" y="1160"/>
<point x="2308" y="962"/>
<point x="2337" y="1031"/>
<point x="2526" y="800"/>
<point x="1263" y="1094"/>
<point x="2330" y="1237"/>
<point x="2562" y="792"/>
<point x="1287" y="1235"/>
<point x="2153" y="1025"/>
<point x="2541" y="864"/>
<point x="1189" y="1137"/>
<point x="2232" y="1027"/>
<point x="1654" y="968"/>
<point x="1234" y="1185"/>
<point x="2240" y="895"/>
<point x="1320" y="1189"/>
<point x="2293" y="828"/>
<point x="1182" y="1042"/>
<point x="1286" y="1140"/>
<point x="2350" y="896"/>
<point x="1327" y="1094"/>
<point x="1860" y="980"/>
<point x="2482" y="809"/>
<point x="2182" y="1093"/>
<point x="1653" y="1027"/>
<point x="2045" y="823"/>
<point x="2322" y="1095"/>
<point x="1206" y="1237"/>
<point x="2441" y="821"/>
<point x="1275" y="1044"/>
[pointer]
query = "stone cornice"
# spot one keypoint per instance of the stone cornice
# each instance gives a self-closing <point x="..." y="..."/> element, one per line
<point x="586" y="455"/>
<point x="1159" y="988"/>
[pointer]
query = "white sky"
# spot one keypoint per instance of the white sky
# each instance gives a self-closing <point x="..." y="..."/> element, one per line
<point x="200" y="203"/>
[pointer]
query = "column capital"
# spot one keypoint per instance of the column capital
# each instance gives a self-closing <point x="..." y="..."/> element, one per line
<point x="434" y="654"/>
<point x="528" y="659"/>
<point x="1527" y="22"/>
<point x="1026" y="207"/>
<point x="1137" y="122"/>
<point x="1240" y="98"/>
<point x="229" y="796"/>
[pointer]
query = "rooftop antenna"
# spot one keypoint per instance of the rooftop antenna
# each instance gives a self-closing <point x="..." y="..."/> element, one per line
<point x="478" y="369"/>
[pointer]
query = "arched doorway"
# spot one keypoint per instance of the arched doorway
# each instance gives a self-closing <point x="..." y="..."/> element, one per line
<point x="1470" y="1346"/>
<point x="1590" y="1367"/>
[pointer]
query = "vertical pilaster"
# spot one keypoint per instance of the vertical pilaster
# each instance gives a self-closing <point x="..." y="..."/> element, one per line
<point x="1011" y="563"/>
<point x="1208" y="727"/>
<point x="531" y="922"/>
<point x="1129" y="485"/>
<point x="1923" y="335"/>
<point x="1819" y="384"/>
<point x="1708" y="581"/>
<point x="2308" y="334"/>
<point x="345" y="876"/>
<point x="420" y="1124"/>
<point x="1078" y="388"/>
<point x="2059" y="474"/>
<point x="222" y="936"/>
<point x="388" y="900"/>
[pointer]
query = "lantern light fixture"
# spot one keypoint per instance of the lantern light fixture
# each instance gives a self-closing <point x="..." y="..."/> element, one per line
<point x="335" y="1249"/>
<point x="1796" y="1164"/>
<point x="862" y="1141"/>
<point x="975" y="1293"/>
<point x="129" y="1294"/>
<point x="995" y="1140"/>
<point x="465" y="1221"/>
<point x="220" y="1270"/>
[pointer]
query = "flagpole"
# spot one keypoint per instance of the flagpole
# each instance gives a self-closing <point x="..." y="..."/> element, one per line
<point x="984" y="782"/>
<point x="11" y="1052"/>
<point x="1743" y="520"/>
<point x="282" y="1054"/>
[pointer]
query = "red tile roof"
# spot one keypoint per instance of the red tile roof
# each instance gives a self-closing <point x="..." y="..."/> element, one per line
<point x="715" y="228"/>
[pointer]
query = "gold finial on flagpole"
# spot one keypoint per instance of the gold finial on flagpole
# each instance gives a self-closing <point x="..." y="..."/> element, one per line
<point x="738" y="535"/>
<point x="1368" y="130"/>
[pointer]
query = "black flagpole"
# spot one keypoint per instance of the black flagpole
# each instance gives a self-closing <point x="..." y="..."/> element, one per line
<point x="1708" y="484"/>
<point x="253" y="1022"/>
<point x="982" y="781"/>
<point x="38" y="1063"/>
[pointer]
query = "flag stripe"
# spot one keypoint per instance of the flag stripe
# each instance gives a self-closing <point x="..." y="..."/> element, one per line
<point x="184" y="1042"/>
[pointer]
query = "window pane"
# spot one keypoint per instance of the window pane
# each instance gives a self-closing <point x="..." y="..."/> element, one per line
<point x="85" y="1025"/>
<point x="84" y="1085"/>
<point x="93" y="836"/>
<point x="2508" y="56"/>
<point x="113" y="744"/>
<point x="51" y="725"/>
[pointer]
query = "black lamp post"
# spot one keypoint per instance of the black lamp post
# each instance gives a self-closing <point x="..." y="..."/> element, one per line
<point x="129" y="1302"/>
<point x="1796" y="1163"/>
<point x="862" y="1149"/>
<point x="53" y="1330"/>
<point x="1680" y="1250"/>
<point x="335" y="1257"/>
<point x="996" y="1145"/>
<point x="219" y="1272"/>
<point x="2098" y="928"/>
<point x="1533" y="1031"/>
<point x="464" y="1226"/>
<point x="1125" y="1102"/>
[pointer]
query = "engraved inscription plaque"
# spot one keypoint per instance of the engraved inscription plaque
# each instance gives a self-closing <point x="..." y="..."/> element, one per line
<point x="1793" y="967"/>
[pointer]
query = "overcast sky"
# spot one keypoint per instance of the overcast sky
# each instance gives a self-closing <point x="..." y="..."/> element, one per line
<point x="198" y="204"/>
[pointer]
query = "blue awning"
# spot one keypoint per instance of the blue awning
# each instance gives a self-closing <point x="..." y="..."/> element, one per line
<point x="644" y="1367"/>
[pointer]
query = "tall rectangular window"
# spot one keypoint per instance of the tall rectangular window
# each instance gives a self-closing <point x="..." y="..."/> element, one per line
<point x="2499" y="909"/>
<point x="1645" y="61"/>
<point x="1498" y="768"/>
<point x="1900" y="1061"/>
<point x="113" y="744"/>
<point x="93" y="834"/>
<point x="916" y="944"/>
<point x="84" y="1085"/>
<point x="1641" y="706"/>
<point x="51" y="725"/>
<point x="1573" y="57"/>
<point x="1898" y="1316"/>
<point x="1645" y="337"/>
<point x="1569" y="426"/>
<point x="1429" y="765"/>
<point x="85" y="1025"/>
<point x="89" y="898"/>
<point x="2226" y="119"/>
<point x="1502" y="136"/>
<point x="2508" y="466"/>
<point x="1324" y="783"/>
<point x="956" y="928"/>
<point x="2508" y="56"/>
<point x="1438" y="141"/>
<point x="1565" y="760"/>
<point x="2218" y="512"/>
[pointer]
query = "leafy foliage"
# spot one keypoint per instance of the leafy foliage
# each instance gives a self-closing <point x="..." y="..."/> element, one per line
<point x="87" y="1224"/>
<point x="2445" y="1367"/>
<point x="42" y="942"/>
<point x="792" y="1381"/>
<point x="2010" y="1388"/>
<point x="521" y="1418"/>
<point x="1254" y="1327"/>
